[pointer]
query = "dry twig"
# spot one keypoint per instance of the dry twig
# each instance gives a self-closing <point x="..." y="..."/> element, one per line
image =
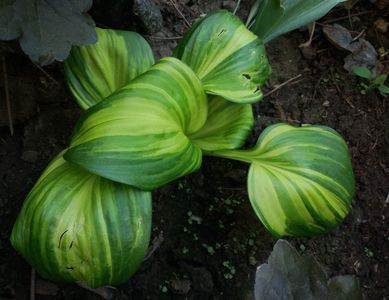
<point x="7" y="98"/>
<point x="348" y="16"/>
<point x="32" y="285"/>
<point x="156" y="243"/>
<point x="180" y="12"/>
<point x="279" y="86"/>
<point x="47" y="74"/>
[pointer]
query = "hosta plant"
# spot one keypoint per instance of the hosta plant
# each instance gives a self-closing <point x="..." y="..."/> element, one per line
<point x="147" y="124"/>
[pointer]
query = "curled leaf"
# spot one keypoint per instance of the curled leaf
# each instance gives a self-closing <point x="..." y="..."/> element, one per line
<point x="139" y="135"/>
<point x="229" y="59"/>
<point x="96" y="71"/>
<point x="78" y="227"/>
<point x="227" y="127"/>
<point x="300" y="181"/>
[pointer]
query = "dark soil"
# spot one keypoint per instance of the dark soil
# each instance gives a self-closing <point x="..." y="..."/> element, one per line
<point x="204" y="222"/>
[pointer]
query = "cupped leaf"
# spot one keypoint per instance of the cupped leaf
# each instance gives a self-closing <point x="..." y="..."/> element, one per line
<point x="228" y="125"/>
<point x="78" y="227"/>
<point x="228" y="58"/>
<point x="138" y="135"/>
<point x="96" y="71"/>
<point x="300" y="182"/>
<point x="276" y="17"/>
<point x="47" y="29"/>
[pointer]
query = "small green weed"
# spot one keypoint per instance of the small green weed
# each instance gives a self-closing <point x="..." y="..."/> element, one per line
<point x="372" y="83"/>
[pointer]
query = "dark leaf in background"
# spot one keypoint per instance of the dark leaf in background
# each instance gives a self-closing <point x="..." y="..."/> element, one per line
<point x="288" y="275"/>
<point x="47" y="29"/>
<point x="363" y="53"/>
<point x="339" y="36"/>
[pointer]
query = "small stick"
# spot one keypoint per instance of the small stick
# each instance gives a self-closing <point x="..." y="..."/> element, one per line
<point x="32" y="285"/>
<point x="181" y="14"/>
<point x="7" y="98"/>
<point x="348" y="16"/>
<point x="359" y="35"/>
<point x="279" y="86"/>
<point x="47" y="74"/>
<point x="236" y="7"/>
<point x="156" y="243"/>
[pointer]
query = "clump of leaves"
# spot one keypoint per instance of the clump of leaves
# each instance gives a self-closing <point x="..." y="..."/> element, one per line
<point x="148" y="124"/>
<point x="372" y="82"/>
<point x="288" y="275"/>
<point x="47" y="29"/>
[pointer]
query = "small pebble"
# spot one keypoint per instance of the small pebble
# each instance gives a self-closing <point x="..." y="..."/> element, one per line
<point x="229" y="5"/>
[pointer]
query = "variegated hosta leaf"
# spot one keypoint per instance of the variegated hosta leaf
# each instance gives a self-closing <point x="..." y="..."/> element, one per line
<point x="138" y="135"/>
<point x="228" y="58"/>
<point x="96" y="71"/>
<point x="78" y="227"/>
<point x="300" y="181"/>
<point x="228" y="125"/>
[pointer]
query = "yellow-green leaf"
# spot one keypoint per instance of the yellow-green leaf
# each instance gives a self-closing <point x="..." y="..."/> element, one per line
<point x="300" y="182"/>
<point x="228" y="58"/>
<point x="78" y="227"/>
<point x="139" y="135"/>
<point x="96" y="71"/>
<point x="228" y="125"/>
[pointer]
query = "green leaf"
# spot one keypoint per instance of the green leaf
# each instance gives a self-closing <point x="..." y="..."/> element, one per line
<point x="228" y="58"/>
<point x="380" y="80"/>
<point x="276" y="17"/>
<point x="139" y="135"/>
<point x="288" y="275"/>
<point x="383" y="89"/>
<point x="78" y="227"/>
<point x="47" y="29"/>
<point x="363" y="72"/>
<point x="228" y="125"/>
<point x="94" y="72"/>
<point x="300" y="182"/>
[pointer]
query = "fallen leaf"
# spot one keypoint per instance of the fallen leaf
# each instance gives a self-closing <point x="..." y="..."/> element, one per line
<point x="363" y="55"/>
<point x="339" y="36"/>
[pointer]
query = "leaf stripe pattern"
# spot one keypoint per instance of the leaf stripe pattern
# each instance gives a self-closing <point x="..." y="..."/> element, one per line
<point x="78" y="227"/>
<point x="228" y="125"/>
<point x="96" y="71"/>
<point x="138" y="136"/>
<point x="228" y="58"/>
<point x="300" y="182"/>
